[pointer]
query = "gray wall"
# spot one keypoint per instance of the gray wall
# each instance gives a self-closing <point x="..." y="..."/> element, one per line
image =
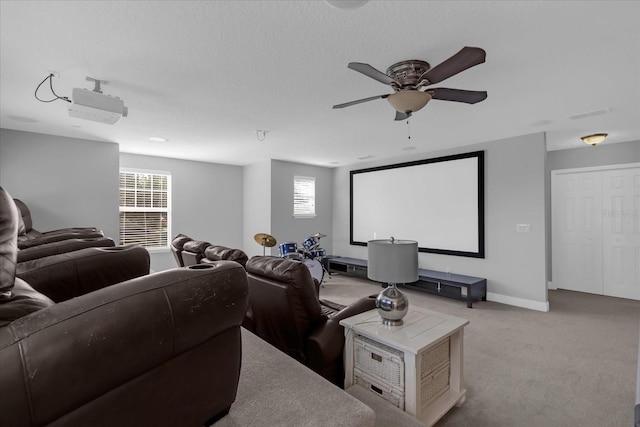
<point x="207" y="201"/>
<point x="515" y="263"/>
<point x="284" y="226"/>
<point x="65" y="182"/>
<point x="600" y="155"/>
<point x="257" y="206"/>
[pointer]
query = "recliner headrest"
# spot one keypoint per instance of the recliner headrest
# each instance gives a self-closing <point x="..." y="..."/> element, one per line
<point x="196" y="246"/>
<point x="179" y="241"/>
<point x="26" y="224"/>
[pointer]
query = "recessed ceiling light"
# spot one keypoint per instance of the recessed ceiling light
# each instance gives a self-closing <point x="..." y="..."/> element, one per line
<point x="369" y="156"/>
<point x="346" y="4"/>
<point x="158" y="139"/>
<point x="334" y="163"/>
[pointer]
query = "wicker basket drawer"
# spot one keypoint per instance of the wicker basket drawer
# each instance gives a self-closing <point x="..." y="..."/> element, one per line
<point x="434" y="358"/>
<point x="381" y="362"/>
<point x="434" y="385"/>
<point x="388" y="393"/>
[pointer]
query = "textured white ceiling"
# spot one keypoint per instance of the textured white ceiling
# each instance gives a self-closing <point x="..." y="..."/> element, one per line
<point x="208" y="74"/>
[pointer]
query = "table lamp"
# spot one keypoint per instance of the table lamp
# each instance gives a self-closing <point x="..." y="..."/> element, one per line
<point x="392" y="261"/>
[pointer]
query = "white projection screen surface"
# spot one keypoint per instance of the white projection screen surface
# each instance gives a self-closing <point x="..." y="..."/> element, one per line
<point x="437" y="202"/>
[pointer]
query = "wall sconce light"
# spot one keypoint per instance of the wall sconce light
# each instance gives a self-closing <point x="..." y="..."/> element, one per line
<point x="594" y="139"/>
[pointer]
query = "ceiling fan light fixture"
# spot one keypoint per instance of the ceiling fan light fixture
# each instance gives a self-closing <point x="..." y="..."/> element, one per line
<point x="594" y="139"/>
<point x="409" y="101"/>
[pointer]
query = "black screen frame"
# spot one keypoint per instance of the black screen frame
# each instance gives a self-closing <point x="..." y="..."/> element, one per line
<point x="479" y="155"/>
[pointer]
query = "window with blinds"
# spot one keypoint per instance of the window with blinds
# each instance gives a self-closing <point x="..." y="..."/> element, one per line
<point x="304" y="197"/>
<point x="145" y="216"/>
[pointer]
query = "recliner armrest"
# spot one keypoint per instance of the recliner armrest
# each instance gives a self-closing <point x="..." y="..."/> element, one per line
<point x="360" y="306"/>
<point x="326" y="343"/>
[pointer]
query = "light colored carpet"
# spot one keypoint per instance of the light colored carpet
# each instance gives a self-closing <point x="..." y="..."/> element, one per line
<point x="572" y="366"/>
<point x="276" y="390"/>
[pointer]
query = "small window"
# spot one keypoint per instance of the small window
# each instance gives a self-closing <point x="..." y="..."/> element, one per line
<point x="304" y="197"/>
<point x="145" y="215"/>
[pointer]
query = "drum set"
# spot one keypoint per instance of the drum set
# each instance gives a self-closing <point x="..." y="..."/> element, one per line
<point x="311" y="254"/>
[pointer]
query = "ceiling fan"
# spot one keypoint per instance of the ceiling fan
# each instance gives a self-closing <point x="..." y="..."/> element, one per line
<point x="409" y="80"/>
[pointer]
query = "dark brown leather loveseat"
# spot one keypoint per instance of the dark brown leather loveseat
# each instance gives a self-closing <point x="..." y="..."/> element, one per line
<point x="191" y="252"/>
<point x="287" y="313"/>
<point x="29" y="236"/>
<point x="162" y="349"/>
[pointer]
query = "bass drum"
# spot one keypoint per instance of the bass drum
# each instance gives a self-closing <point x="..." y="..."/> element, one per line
<point x="315" y="268"/>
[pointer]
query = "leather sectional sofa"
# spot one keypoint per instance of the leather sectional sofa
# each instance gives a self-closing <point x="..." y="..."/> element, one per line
<point x="161" y="349"/>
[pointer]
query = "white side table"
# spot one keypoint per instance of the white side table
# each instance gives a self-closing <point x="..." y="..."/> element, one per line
<point x="422" y="334"/>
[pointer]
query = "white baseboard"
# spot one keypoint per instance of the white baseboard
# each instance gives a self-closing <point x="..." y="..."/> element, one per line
<point x="518" y="302"/>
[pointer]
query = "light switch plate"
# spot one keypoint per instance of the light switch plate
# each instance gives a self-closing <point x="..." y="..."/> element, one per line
<point x="523" y="228"/>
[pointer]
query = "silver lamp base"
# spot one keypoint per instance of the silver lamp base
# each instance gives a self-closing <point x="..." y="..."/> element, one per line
<point x="392" y="305"/>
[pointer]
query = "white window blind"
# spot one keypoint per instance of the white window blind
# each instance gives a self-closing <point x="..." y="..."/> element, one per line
<point x="145" y="215"/>
<point x="304" y="197"/>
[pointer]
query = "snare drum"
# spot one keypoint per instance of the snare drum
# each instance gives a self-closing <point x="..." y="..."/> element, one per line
<point x="318" y="253"/>
<point x="289" y="250"/>
<point x="310" y="243"/>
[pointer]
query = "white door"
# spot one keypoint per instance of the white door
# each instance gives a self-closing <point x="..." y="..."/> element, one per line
<point x="621" y="233"/>
<point x="595" y="215"/>
<point x="576" y="234"/>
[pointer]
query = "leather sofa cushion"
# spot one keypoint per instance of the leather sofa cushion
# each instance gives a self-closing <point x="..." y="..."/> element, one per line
<point x="196" y="246"/>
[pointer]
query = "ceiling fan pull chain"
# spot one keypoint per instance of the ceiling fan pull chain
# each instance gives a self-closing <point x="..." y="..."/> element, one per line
<point x="409" y="129"/>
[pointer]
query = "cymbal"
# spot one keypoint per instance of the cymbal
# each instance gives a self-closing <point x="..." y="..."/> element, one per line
<point x="265" y="239"/>
<point x="319" y="235"/>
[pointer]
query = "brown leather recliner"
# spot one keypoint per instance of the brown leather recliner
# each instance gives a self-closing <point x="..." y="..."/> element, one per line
<point x="162" y="350"/>
<point x="29" y="237"/>
<point x="288" y="314"/>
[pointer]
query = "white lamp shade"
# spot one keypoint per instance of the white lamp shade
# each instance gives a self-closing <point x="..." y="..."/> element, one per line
<point x="407" y="101"/>
<point x="392" y="261"/>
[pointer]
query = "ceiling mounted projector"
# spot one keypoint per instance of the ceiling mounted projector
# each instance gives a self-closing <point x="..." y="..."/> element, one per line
<point x="93" y="105"/>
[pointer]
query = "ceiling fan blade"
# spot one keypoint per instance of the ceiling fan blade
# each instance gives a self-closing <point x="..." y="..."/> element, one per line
<point x="359" y="101"/>
<point x="369" y="71"/>
<point x="467" y="57"/>
<point x="458" y="95"/>
<point x="402" y="116"/>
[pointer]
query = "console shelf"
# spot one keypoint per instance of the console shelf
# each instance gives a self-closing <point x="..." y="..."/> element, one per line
<point x="458" y="286"/>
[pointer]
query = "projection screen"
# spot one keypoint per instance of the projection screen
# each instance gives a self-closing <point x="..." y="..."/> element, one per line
<point x="438" y="202"/>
